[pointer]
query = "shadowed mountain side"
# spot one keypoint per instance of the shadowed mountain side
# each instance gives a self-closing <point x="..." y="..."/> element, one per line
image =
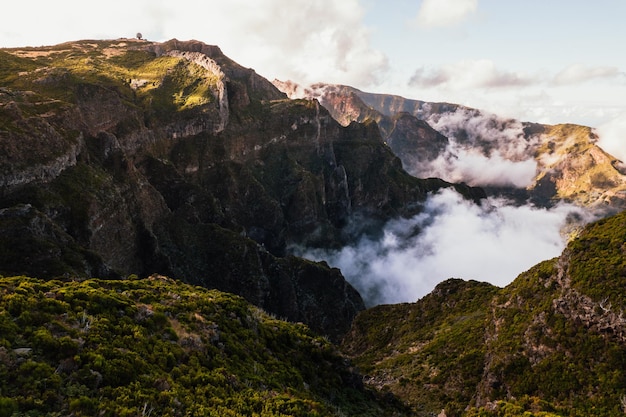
<point x="130" y="157"/>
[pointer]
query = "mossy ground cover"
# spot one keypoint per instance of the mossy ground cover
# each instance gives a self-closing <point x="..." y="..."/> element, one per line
<point x="156" y="346"/>
<point x="598" y="261"/>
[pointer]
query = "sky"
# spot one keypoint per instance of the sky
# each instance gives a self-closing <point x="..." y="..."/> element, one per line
<point x="548" y="61"/>
<point x="553" y="61"/>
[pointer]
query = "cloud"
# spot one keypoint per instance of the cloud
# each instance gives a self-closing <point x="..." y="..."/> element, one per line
<point x="325" y="39"/>
<point x="594" y="94"/>
<point x="468" y="74"/>
<point x="483" y="150"/>
<point x="579" y="73"/>
<point x="444" y="13"/>
<point x="493" y="242"/>
<point x="476" y="169"/>
<point x="612" y="137"/>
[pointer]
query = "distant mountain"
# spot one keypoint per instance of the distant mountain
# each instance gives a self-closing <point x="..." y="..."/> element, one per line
<point x="521" y="160"/>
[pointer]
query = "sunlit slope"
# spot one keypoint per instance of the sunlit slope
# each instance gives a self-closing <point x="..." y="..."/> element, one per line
<point x="570" y="162"/>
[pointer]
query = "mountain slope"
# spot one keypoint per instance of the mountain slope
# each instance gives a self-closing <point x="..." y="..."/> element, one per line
<point x="554" y="340"/>
<point x="156" y="346"/>
<point x="521" y="160"/>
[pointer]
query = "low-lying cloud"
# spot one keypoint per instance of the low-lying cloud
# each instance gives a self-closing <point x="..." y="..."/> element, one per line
<point x="453" y="237"/>
<point x="458" y="164"/>
<point x="483" y="150"/>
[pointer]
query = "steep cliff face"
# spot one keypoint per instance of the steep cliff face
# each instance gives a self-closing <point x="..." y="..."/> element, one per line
<point x="576" y="169"/>
<point x="552" y="341"/>
<point x="130" y="157"/>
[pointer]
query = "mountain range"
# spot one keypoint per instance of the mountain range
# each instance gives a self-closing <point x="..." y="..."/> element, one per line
<point x="142" y="184"/>
<point x="525" y="161"/>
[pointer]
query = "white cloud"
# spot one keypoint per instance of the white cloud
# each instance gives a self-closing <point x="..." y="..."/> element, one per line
<point x="483" y="150"/>
<point x="587" y="95"/>
<point x="579" y="73"/>
<point x="443" y="13"/>
<point x="324" y="39"/>
<point x="612" y="137"/>
<point x="453" y="237"/>
<point x="469" y="74"/>
<point x="476" y="169"/>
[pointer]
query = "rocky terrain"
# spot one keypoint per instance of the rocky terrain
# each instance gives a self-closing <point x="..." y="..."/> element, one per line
<point x="523" y="161"/>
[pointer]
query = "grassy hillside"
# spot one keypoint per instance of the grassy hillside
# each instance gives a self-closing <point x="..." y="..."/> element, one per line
<point x="155" y="346"/>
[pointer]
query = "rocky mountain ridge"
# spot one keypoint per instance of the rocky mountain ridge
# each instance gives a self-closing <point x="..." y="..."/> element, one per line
<point x="539" y="163"/>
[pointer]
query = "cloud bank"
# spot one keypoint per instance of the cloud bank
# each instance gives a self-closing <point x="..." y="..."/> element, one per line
<point x="493" y="242"/>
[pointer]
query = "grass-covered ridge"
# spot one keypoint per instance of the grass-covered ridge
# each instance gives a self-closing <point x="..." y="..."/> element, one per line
<point x="125" y="66"/>
<point x="157" y="346"/>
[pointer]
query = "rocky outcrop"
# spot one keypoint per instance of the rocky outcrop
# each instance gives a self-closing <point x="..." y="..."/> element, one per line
<point x="220" y="93"/>
<point x="34" y="147"/>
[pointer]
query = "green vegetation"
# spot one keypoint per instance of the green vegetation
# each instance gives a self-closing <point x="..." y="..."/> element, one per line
<point x="435" y="343"/>
<point x="140" y="77"/>
<point x="156" y="346"/>
<point x="598" y="264"/>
